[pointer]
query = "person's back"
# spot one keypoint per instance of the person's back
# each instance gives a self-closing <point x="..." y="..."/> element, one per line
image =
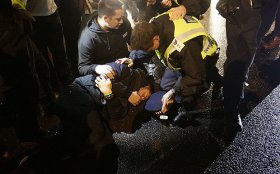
<point x="181" y="45"/>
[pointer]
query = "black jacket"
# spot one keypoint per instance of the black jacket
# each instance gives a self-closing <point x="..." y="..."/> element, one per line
<point x="97" y="47"/>
<point x="126" y="81"/>
<point x="190" y="61"/>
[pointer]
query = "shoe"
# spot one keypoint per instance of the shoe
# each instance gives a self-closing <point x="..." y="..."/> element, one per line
<point x="182" y="118"/>
<point x="273" y="43"/>
<point x="218" y="83"/>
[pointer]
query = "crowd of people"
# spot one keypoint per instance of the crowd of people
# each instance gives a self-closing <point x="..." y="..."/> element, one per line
<point x="85" y="62"/>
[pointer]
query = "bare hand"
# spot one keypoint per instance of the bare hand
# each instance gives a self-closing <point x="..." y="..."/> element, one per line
<point x="177" y="12"/>
<point x="105" y="70"/>
<point x="104" y="84"/>
<point x="128" y="61"/>
<point x="134" y="98"/>
<point x="166" y="3"/>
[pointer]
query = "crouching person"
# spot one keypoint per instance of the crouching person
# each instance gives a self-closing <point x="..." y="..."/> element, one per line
<point x="181" y="45"/>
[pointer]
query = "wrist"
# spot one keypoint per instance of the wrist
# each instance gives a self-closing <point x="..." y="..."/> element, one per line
<point x="109" y="96"/>
<point x="107" y="92"/>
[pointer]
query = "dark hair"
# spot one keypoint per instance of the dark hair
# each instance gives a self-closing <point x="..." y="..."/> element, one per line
<point x="108" y="7"/>
<point x="142" y="36"/>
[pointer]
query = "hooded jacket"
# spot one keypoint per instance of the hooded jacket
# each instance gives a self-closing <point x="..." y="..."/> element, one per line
<point x="97" y="47"/>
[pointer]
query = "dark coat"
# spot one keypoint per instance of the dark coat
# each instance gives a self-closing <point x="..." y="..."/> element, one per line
<point x="97" y="47"/>
<point x="193" y="67"/>
<point x="126" y="81"/>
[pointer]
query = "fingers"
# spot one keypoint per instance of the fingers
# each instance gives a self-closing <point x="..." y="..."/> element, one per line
<point x="109" y="72"/>
<point x="128" y="61"/>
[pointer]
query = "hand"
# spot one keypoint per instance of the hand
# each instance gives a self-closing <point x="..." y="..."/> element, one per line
<point x="151" y="2"/>
<point x="134" y="98"/>
<point x="167" y="100"/>
<point x="177" y="12"/>
<point x="104" y="84"/>
<point x="105" y="70"/>
<point x="128" y="61"/>
<point x="86" y="5"/>
<point x="166" y="3"/>
<point x="144" y="93"/>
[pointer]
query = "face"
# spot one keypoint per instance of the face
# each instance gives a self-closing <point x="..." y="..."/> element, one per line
<point x="114" y="22"/>
<point x="156" y="42"/>
<point x="144" y="93"/>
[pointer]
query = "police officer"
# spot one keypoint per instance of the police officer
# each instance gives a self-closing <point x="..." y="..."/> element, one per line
<point x="181" y="45"/>
<point x="242" y="21"/>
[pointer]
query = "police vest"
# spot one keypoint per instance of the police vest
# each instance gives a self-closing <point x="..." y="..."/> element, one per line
<point x="176" y="2"/>
<point x="186" y="29"/>
<point x="19" y="4"/>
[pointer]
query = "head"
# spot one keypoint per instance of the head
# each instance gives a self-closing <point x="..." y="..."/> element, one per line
<point x="110" y="13"/>
<point x="145" y="37"/>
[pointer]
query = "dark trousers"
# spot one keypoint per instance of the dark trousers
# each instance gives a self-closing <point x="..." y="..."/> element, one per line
<point x="48" y="34"/>
<point x="75" y="149"/>
<point x="269" y="13"/>
<point x="19" y="107"/>
<point x="70" y="14"/>
<point x="241" y="37"/>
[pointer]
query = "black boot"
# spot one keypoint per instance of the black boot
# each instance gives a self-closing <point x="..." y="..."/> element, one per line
<point x="217" y="88"/>
<point x="182" y="118"/>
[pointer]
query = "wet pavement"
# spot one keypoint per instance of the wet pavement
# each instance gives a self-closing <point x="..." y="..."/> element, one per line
<point x="156" y="148"/>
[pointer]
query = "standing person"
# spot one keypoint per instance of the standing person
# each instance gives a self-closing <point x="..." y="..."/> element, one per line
<point x="19" y="83"/>
<point x="269" y="13"/>
<point x="48" y="35"/>
<point x="242" y="22"/>
<point x="180" y="8"/>
<point x="274" y="40"/>
<point x="104" y="40"/>
<point x="181" y="45"/>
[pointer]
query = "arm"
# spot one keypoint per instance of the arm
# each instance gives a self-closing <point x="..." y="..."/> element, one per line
<point x="193" y="69"/>
<point x="86" y="55"/>
<point x="86" y="59"/>
<point x="187" y="7"/>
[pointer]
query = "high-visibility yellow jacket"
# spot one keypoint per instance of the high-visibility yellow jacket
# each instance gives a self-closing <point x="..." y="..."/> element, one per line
<point x="19" y="4"/>
<point x="186" y="29"/>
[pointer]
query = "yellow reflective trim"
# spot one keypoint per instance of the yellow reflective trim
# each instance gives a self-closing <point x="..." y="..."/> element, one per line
<point x="185" y="31"/>
<point x="176" y="2"/>
<point x="19" y="4"/>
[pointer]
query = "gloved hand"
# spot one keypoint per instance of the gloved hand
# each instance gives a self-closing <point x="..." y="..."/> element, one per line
<point x="228" y="8"/>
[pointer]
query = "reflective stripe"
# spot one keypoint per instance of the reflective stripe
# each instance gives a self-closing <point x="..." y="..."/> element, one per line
<point x="182" y="38"/>
<point x="176" y="2"/>
<point x="187" y="34"/>
<point x="186" y="29"/>
<point x="19" y="4"/>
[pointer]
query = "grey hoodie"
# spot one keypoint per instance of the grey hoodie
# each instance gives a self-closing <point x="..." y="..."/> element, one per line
<point x="97" y="47"/>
